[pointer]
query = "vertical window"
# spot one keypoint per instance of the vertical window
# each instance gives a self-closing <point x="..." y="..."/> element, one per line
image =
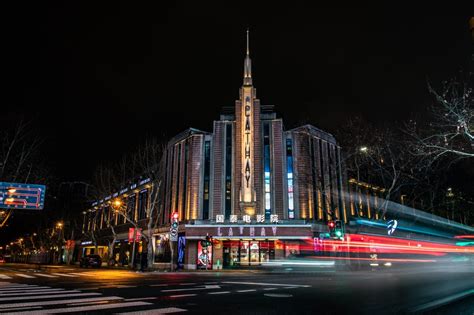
<point x="170" y="193"/>
<point x="331" y="188"/>
<point x="314" y="175"/>
<point x="107" y="216"/>
<point x="178" y="177"/>
<point x="131" y="206"/>
<point x="339" y="183"/>
<point x="185" y="180"/>
<point x="289" y="174"/>
<point x="101" y="218"/>
<point x="228" y="171"/>
<point x="142" y="204"/>
<point x="267" y="169"/>
<point x="322" y="182"/>
<point x="207" y="167"/>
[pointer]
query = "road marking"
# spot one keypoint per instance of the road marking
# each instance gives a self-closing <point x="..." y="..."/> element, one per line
<point x="87" y="303"/>
<point x="269" y="284"/>
<point x="22" y="308"/>
<point x="77" y="274"/>
<point x="211" y="282"/>
<point x="187" y="283"/>
<point x="89" y="308"/>
<point x="141" y="299"/>
<point x="206" y="287"/>
<point x="166" y="310"/>
<point x="250" y="290"/>
<point x="181" y="295"/>
<point x="45" y="275"/>
<point x="64" y="275"/>
<point x="220" y="292"/>
<point x="50" y="291"/>
<point x="61" y="302"/>
<point x="3" y="293"/>
<point x="24" y="276"/>
<point x="278" y="295"/>
<point x="5" y="277"/>
<point x="25" y="287"/>
<point x="82" y="289"/>
<point x="269" y="289"/>
<point x="158" y="285"/>
<point x="443" y="301"/>
<point x="22" y="298"/>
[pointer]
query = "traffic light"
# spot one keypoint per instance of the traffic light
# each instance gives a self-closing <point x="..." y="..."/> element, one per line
<point x="174" y="226"/>
<point x="338" y="229"/>
<point x="331" y="226"/>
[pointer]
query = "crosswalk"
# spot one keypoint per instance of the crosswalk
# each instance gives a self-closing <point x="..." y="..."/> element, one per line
<point x="33" y="275"/>
<point x="16" y="298"/>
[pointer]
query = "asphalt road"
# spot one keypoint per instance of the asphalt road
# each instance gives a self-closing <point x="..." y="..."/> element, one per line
<point x="68" y="289"/>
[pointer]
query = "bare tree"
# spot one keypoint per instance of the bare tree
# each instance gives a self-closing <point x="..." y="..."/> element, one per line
<point x="379" y="156"/>
<point x="149" y="162"/>
<point x="451" y="130"/>
<point x="146" y="164"/>
<point x="19" y="159"/>
<point x="106" y="184"/>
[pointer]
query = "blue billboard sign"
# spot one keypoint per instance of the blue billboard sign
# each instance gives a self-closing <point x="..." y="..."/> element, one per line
<point x="21" y="196"/>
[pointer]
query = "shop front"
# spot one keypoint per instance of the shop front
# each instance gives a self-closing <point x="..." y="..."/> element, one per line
<point x="241" y="253"/>
<point x="241" y="246"/>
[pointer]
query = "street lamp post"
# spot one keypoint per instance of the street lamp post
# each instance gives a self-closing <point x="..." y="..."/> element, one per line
<point x="59" y="227"/>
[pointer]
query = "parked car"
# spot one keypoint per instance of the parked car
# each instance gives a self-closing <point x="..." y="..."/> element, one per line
<point x="91" y="260"/>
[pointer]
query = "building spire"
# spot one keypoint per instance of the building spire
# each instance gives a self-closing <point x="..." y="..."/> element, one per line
<point x="247" y="64"/>
<point x="248" y="50"/>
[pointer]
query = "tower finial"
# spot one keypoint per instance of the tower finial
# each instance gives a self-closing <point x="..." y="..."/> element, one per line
<point x="248" y="48"/>
<point x="248" y="64"/>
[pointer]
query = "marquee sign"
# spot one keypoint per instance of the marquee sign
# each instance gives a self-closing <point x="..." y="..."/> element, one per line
<point x="249" y="231"/>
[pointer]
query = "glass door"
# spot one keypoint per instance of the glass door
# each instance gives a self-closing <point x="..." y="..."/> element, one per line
<point x="254" y="253"/>
<point x="244" y="253"/>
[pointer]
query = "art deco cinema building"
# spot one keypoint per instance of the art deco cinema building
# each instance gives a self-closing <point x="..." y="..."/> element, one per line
<point x="260" y="191"/>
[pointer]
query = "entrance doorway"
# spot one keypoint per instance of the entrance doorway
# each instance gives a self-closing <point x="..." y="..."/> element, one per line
<point x="242" y="253"/>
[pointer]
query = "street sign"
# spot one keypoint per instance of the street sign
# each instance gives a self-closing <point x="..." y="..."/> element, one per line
<point x="391" y="226"/>
<point x="22" y="196"/>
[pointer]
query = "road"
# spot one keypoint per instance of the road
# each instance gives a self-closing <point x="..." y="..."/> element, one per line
<point x="68" y="289"/>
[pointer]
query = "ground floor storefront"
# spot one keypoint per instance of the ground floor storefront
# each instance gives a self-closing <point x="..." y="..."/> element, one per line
<point x="241" y="246"/>
<point x="232" y="246"/>
<point x="121" y="255"/>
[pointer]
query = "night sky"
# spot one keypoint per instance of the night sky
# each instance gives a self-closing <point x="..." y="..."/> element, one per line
<point x="96" y="78"/>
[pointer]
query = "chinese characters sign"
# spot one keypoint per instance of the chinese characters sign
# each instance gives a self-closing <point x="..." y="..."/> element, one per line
<point x="138" y="235"/>
<point x="260" y="218"/>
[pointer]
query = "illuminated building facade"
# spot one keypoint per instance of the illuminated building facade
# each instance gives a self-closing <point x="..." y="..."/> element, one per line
<point x="256" y="188"/>
<point x="259" y="190"/>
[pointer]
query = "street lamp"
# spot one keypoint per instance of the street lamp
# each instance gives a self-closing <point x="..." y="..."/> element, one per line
<point x="117" y="203"/>
<point x="59" y="225"/>
<point x="363" y="149"/>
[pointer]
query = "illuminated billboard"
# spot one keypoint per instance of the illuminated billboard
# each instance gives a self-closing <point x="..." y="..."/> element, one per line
<point x="22" y="196"/>
<point x="204" y="259"/>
